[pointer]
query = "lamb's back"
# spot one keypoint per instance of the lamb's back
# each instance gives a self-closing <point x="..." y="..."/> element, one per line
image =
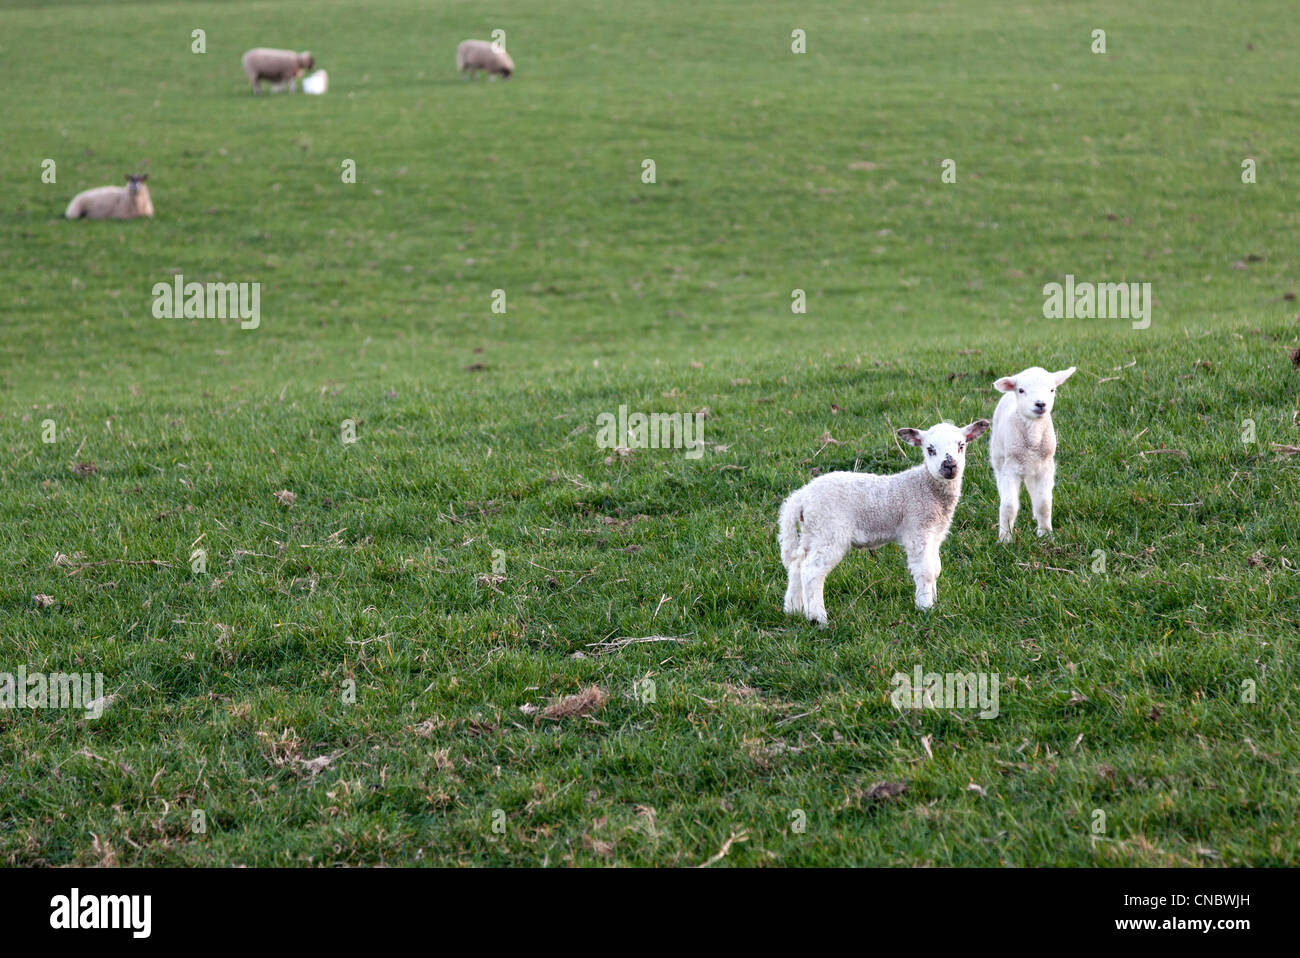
<point x="870" y="507"/>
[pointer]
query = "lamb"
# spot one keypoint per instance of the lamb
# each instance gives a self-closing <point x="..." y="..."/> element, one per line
<point x="277" y="67"/>
<point x="474" y="55"/>
<point x="317" y="83"/>
<point x="1023" y="445"/>
<point x="113" y="202"/>
<point x="913" y="508"/>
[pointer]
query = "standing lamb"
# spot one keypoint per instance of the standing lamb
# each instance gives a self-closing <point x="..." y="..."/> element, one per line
<point x="277" y="67"/>
<point x="113" y="202"/>
<point x="1022" y="447"/>
<point x="474" y="55"/>
<point x="841" y="509"/>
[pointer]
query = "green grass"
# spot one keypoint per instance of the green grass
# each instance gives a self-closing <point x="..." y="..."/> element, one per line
<point x="477" y="433"/>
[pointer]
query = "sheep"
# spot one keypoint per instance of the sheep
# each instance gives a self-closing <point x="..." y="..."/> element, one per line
<point x="277" y="67"/>
<point x="113" y="202"/>
<point x="1022" y="447"/>
<point x="473" y="55"/>
<point x="837" y="510"/>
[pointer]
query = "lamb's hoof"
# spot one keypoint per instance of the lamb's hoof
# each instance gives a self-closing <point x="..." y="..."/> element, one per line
<point x="1004" y="537"/>
<point x="818" y="620"/>
<point x="1044" y="532"/>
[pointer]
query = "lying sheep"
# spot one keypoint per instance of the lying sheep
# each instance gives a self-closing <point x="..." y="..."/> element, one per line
<point x="113" y="202"/>
<point x="842" y="509"/>
<point x="277" y="67"/>
<point x="474" y="55"/>
<point x="1022" y="447"/>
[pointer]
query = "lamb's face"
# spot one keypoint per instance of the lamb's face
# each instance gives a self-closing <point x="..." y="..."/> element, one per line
<point x="1034" y="389"/>
<point x="944" y="447"/>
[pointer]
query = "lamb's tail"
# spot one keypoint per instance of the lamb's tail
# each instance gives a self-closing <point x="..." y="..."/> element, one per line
<point x="787" y="535"/>
<point x="75" y="211"/>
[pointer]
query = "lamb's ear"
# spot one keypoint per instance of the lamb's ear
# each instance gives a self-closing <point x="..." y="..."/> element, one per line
<point x="1006" y="384"/>
<point x="976" y="429"/>
<point x="1063" y="375"/>
<point x="911" y="435"/>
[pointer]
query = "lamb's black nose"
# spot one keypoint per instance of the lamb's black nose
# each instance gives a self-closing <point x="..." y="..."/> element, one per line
<point x="1040" y="405"/>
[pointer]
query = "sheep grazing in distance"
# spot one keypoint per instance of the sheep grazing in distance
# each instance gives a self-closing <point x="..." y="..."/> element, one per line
<point x="277" y="67"/>
<point x="1022" y="447"/>
<point x="840" y="510"/>
<point x="475" y="55"/>
<point x="113" y="202"/>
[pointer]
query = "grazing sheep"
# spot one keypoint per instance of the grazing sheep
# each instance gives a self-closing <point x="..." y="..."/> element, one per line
<point x="1022" y="447"/>
<point x="474" y="55"/>
<point x="277" y="67"/>
<point x="841" y="509"/>
<point x="113" y="202"/>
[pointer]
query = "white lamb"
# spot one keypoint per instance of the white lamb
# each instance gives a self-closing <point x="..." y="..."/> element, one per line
<point x="857" y="509"/>
<point x="1022" y="447"/>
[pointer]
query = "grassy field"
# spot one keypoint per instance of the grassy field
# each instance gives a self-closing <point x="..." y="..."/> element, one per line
<point x="458" y="563"/>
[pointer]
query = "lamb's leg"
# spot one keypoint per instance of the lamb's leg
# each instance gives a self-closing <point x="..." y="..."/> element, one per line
<point x="923" y="562"/>
<point x="794" y="587"/>
<point x="1040" y="494"/>
<point x="817" y="564"/>
<point x="1009" y="494"/>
